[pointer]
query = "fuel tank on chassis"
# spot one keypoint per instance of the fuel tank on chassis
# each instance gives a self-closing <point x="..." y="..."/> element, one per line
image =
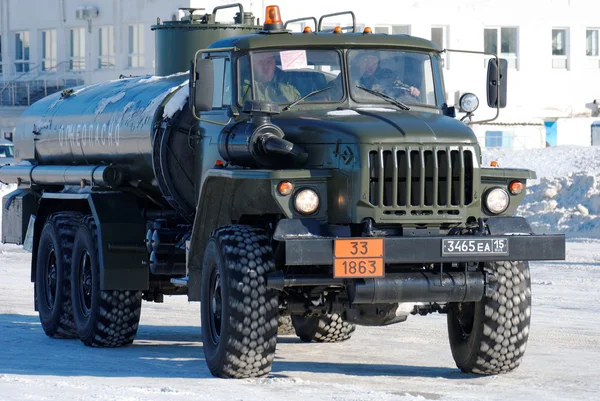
<point x="107" y="123"/>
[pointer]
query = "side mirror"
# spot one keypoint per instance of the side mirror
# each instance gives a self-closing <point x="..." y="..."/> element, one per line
<point x="497" y="98"/>
<point x="201" y="85"/>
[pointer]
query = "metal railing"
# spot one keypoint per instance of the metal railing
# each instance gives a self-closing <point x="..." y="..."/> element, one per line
<point x="39" y="82"/>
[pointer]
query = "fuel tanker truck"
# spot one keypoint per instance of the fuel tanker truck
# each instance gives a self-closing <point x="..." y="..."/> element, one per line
<point x="315" y="176"/>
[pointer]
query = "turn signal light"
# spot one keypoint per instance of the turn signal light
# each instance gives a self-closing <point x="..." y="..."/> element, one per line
<point x="494" y="164"/>
<point x="285" y="188"/>
<point x="273" y="16"/>
<point x="516" y="187"/>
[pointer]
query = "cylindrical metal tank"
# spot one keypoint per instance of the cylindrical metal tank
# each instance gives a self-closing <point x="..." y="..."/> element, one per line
<point x="178" y="41"/>
<point x="100" y="124"/>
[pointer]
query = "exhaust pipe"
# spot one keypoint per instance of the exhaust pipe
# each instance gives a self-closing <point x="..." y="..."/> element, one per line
<point x="419" y="287"/>
<point x="104" y="176"/>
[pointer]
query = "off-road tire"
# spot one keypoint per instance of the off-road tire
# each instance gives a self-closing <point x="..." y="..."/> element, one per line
<point x="54" y="254"/>
<point x="238" y="312"/>
<point x="497" y="339"/>
<point x="102" y="318"/>
<point x="329" y="328"/>
<point x="285" y="325"/>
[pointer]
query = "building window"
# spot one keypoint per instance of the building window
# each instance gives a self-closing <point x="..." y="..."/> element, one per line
<point x="77" y="49"/>
<point x="393" y="29"/>
<point x="499" y="139"/>
<point x="22" y="51"/>
<point x="439" y="37"/>
<point x="592" y="36"/>
<point x="560" y="48"/>
<point x="503" y="41"/>
<point x="136" y="46"/>
<point x="106" y="47"/>
<point x="0" y="54"/>
<point x="49" y="50"/>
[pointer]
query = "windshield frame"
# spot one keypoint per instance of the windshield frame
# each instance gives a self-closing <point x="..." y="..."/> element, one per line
<point x="251" y="53"/>
<point x="435" y="76"/>
<point x="343" y="53"/>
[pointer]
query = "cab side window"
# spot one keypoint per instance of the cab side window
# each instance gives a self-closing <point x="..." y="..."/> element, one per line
<point x="222" y="83"/>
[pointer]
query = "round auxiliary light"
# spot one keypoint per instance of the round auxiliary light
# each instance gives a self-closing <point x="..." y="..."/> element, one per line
<point x="516" y="187"/>
<point x="469" y="102"/>
<point x="285" y="188"/>
<point x="307" y="29"/>
<point x="306" y="201"/>
<point x="337" y="29"/>
<point x="497" y="200"/>
<point x="368" y="30"/>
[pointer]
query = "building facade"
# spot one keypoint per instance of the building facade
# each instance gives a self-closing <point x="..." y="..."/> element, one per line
<point x="552" y="46"/>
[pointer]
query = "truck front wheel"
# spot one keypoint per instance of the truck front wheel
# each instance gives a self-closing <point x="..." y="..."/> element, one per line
<point x="102" y="318"/>
<point x="329" y="328"/>
<point x="238" y="312"/>
<point x="490" y="336"/>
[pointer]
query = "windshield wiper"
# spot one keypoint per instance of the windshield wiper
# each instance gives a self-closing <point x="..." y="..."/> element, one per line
<point x="304" y="97"/>
<point x="390" y="99"/>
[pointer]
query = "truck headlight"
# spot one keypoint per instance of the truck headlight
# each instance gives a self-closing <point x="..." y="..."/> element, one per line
<point x="496" y="200"/>
<point x="306" y="201"/>
<point x="468" y="102"/>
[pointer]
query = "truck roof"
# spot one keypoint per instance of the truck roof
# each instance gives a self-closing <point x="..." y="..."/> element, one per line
<point x="325" y="39"/>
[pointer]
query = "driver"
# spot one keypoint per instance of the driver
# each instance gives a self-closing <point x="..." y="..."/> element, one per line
<point x="267" y="86"/>
<point x="373" y="77"/>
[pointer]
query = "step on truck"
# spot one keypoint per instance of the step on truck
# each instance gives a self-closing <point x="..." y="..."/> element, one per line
<point x="306" y="182"/>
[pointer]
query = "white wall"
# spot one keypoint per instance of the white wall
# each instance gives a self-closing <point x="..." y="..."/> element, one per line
<point x="574" y="131"/>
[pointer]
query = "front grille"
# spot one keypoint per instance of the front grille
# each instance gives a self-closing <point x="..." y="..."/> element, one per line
<point x="421" y="177"/>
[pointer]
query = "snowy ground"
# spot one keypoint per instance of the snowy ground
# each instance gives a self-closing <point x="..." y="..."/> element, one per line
<point x="408" y="361"/>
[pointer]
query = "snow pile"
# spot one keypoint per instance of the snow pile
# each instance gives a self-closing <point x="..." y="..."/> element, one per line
<point x="106" y="101"/>
<point x="565" y="198"/>
<point x="177" y="102"/>
<point x="155" y="78"/>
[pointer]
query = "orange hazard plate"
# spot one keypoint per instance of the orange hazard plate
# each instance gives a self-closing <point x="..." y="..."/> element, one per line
<point x="357" y="267"/>
<point x="358" y="257"/>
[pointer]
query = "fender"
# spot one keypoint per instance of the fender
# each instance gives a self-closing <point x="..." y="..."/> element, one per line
<point x="121" y="230"/>
<point x="508" y="225"/>
<point x="227" y="194"/>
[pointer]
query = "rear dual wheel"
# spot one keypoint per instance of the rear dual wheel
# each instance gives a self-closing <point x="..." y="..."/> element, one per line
<point x="102" y="318"/>
<point x="53" y="273"/>
<point x="328" y="328"/>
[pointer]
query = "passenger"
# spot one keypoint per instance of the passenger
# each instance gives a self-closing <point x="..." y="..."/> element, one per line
<point x="372" y="76"/>
<point x="266" y="84"/>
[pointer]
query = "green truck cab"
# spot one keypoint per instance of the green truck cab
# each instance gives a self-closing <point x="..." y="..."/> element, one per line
<point x="309" y="182"/>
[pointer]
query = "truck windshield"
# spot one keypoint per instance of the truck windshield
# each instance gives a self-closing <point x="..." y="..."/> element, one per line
<point x="405" y="76"/>
<point x="286" y="76"/>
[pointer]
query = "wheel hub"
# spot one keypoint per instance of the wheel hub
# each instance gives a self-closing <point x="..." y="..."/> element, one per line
<point x="465" y="314"/>
<point x="51" y="278"/>
<point x="216" y="307"/>
<point x="85" y="282"/>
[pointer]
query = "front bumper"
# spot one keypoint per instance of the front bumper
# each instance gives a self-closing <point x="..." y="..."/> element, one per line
<point x="319" y="250"/>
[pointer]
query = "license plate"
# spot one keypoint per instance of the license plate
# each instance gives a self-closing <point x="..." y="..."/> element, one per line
<point x="358" y="257"/>
<point x="494" y="246"/>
